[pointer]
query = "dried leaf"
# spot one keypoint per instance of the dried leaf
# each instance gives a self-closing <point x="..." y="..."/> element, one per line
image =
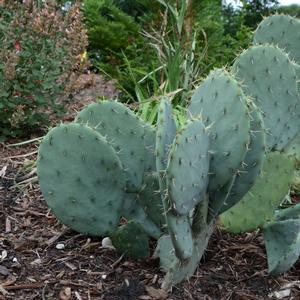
<point x="65" y="294"/>
<point x="156" y="293"/>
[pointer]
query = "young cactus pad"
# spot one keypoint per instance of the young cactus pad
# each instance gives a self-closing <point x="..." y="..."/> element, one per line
<point x="81" y="178"/>
<point x="188" y="166"/>
<point x="253" y="161"/>
<point x="132" y="210"/>
<point x="292" y="212"/>
<point x="293" y="150"/>
<point x="131" y="240"/>
<point x="181" y="235"/>
<point x="223" y="106"/>
<point x="149" y="140"/>
<point x="280" y="30"/>
<point x="125" y="131"/>
<point x="269" y="77"/>
<point x="180" y="270"/>
<point x="282" y="241"/>
<point x="150" y="199"/>
<point x="165" y="134"/>
<point x="258" y="205"/>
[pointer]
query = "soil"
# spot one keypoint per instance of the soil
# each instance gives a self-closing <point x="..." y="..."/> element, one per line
<point x="42" y="259"/>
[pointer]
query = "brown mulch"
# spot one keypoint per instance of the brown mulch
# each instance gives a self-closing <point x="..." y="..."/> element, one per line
<point x="42" y="259"/>
<point x="31" y="266"/>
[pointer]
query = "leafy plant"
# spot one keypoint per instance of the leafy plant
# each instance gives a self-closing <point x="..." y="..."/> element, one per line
<point x="39" y="53"/>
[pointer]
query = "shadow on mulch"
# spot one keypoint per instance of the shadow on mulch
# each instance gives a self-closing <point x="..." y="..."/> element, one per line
<point x="42" y="259"/>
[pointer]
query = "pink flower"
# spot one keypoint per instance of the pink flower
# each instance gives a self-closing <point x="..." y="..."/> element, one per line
<point x="17" y="46"/>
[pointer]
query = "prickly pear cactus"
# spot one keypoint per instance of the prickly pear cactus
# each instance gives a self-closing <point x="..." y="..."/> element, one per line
<point x="165" y="134"/>
<point x="178" y="270"/>
<point x="282" y="241"/>
<point x="188" y="166"/>
<point x="293" y="150"/>
<point x="180" y="231"/>
<point x="84" y="189"/>
<point x="131" y="240"/>
<point x="280" y="30"/>
<point x="222" y="105"/>
<point x="150" y="200"/>
<point x="178" y="226"/>
<point x="149" y="141"/>
<point x="268" y="76"/>
<point x="253" y="161"/>
<point x="133" y="210"/>
<point x="258" y="205"/>
<point x="125" y="131"/>
<point x="292" y="212"/>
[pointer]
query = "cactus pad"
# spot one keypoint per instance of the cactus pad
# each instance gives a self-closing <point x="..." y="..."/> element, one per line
<point x="81" y="178"/>
<point x="165" y="252"/>
<point x="258" y="205"/>
<point x="165" y="134"/>
<point x="292" y="212"/>
<point x="269" y="77"/>
<point x="132" y="210"/>
<point x="149" y="140"/>
<point x="181" y="235"/>
<point x="180" y="270"/>
<point x="293" y="150"/>
<point x="150" y="199"/>
<point x="131" y="240"/>
<point x="124" y="130"/>
<point x="282" y="241"/>
<point x="253" y="161"/>
<point x="282" y="31"/>
<point x="188" y="166"/>
<point x="223" y="107"/>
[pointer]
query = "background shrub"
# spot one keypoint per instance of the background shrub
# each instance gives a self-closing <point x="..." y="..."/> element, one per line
<point x="131" y="39"/>
<point x="40" y="47"/>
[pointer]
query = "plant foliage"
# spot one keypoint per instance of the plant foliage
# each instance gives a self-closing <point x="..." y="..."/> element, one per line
<point x="40" y="49"/>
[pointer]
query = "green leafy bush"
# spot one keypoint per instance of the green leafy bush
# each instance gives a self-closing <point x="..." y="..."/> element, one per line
<point x="40" y="47"/>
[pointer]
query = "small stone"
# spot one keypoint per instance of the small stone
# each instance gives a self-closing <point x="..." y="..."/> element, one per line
<point x="107" y="243"/>
<point x="60" y="246"/>
<point x="3" y="255"/>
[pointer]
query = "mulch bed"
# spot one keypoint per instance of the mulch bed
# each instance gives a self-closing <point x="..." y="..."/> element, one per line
<point x="33" y="265"/>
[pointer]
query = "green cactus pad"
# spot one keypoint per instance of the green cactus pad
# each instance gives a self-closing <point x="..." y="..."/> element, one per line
<point x="150" y="199"/>
<point x="282" y="31"/>
<point x="268" y="76"/>
<point x="282" y="241"/>
<point x="131" y="240"/>
<point x="258" y="205"/>
<point x="150" y="159"/>
<point x="165" y="134"/>
<point x="124" y="130"/>
<point x="293" y="150"/>
<point x="296" y="182"/>
<point x="165" y="252"/>
<point x="188" y="166"/>
<point x="223" y="107"/>
<point x="132" y="210"/>
<point x="81" y="178"/>
<point x="181" y="235"/>
<point x="218" y="198"/>
<point x="253" y="161"/>
<point x="292" y="212"/>
<point x="180" y="270"/>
